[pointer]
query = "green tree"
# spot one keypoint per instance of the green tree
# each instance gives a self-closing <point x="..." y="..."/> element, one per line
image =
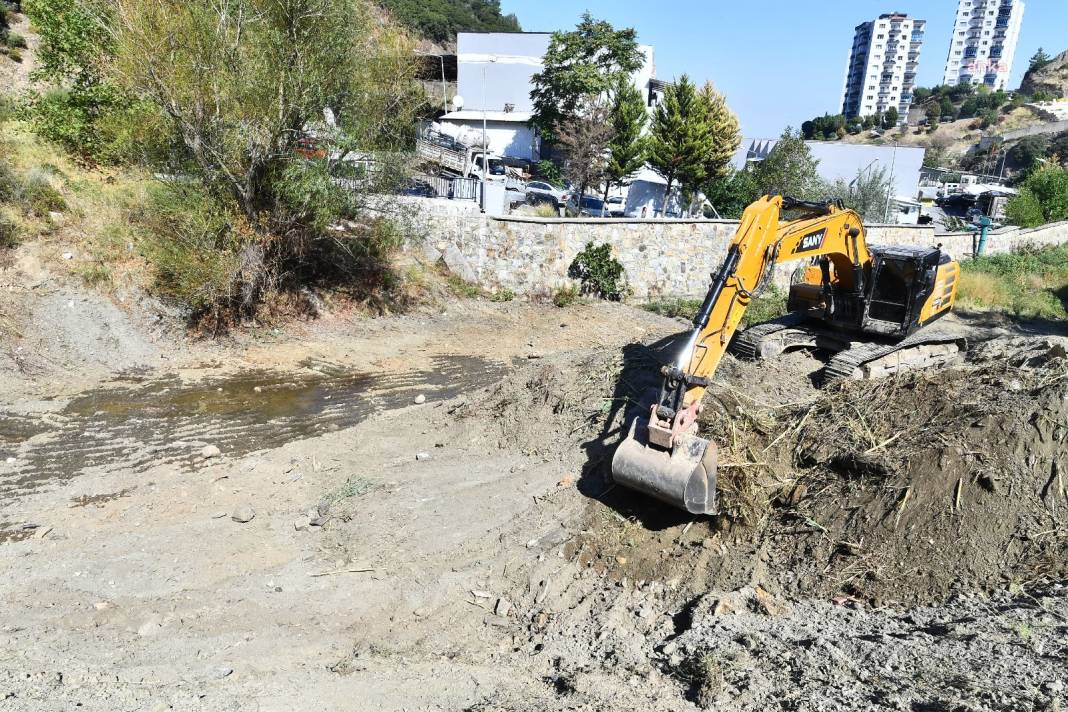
<point x="578" y="66"/>
<point x="627" y="147"/>
<point x="891" y="117"/>
<point x="76" y="44"/>
<point x="730" y="195"/>
<point x="241" y="95"/>
<point x="679" y="134"/>
<point x="440" y="20"/>
<point x="789" y="169"/>
<point x="1043" y="199"/>
<point x="1028" y="152"/>
<point x="1038" y="60"/>
<point x="868" y="193"/>
<point x="725" y="136"/>
<point x="263" y="88"/>
<point x="693" y="136"/>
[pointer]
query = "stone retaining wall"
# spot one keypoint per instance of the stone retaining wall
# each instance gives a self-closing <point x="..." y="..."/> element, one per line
<point x="661" y="257"/>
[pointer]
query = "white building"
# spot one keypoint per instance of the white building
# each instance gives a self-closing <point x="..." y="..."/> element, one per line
<point x="984" y="42"/>
<point x="494" y="79"/>
<point x="882" y="66"/>
<point x="847" y="161"/>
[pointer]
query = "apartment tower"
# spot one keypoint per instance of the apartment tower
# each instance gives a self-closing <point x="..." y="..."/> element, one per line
<point x="984" y="42"/>
<point x="882" y="65"/>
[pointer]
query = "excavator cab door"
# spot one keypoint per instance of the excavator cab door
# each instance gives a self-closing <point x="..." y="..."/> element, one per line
<point x="902" y="279"/>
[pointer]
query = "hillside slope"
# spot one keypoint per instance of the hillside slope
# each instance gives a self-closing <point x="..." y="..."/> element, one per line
<point x="440" y="20"/>
<point x="1051" y="79"/>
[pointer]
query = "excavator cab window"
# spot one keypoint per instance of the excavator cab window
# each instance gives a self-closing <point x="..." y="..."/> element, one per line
<point x="892" y="293"/>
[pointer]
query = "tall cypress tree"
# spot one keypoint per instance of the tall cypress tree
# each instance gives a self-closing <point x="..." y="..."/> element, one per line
<point x="693" y="136"/>
<point x="627" y="149"/>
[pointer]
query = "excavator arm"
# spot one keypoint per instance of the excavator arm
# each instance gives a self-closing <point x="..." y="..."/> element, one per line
<point x="662" y="455"/>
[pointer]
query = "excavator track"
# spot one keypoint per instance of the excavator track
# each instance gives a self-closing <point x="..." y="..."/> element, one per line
<point x="748" y="344"/>
<point x="926" y="348"/>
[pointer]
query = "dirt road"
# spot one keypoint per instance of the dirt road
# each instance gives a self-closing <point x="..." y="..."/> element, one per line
<point x="412" y="513"/>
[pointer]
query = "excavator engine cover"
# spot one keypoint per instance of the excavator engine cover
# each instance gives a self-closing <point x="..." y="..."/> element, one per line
<point x="684" y="476"/>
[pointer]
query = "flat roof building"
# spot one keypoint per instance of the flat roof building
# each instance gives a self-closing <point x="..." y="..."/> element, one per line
<point x="984" y="42"/>
<point x="882" y="65"/>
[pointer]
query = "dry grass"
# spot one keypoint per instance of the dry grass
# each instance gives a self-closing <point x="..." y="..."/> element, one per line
<point x="92" y="222"/>
<point x="1030" y="283"/>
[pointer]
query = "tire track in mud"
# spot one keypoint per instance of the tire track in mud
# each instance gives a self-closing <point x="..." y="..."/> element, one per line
<point x="140" y="422"/>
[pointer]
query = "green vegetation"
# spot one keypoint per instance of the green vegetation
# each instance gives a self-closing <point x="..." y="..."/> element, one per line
<point x="579" y="67"/>
<point x="565" y="296"/>
<point x="1043" y="198"/>
<point x="600" y="274"/>
<point x="627" y="147"/>
<point x="10" y="42"/>
<point x="789" y="170"/>
<point x="462" y="288"/>
<point x="764" y="307"/>
<point x="1030" y="282"/>
<point x="440" y="20"/>
<point x="942" y="104"/>
<point x="693" y="136"/>
<point x="1038" y="60"/>
<point x="250" y="214"/>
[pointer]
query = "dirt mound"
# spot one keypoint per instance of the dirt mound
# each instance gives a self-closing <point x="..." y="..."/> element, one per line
<point x="897" y="490"/>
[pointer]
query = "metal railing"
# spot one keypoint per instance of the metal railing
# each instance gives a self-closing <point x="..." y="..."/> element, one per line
<point x="452" y="188"/>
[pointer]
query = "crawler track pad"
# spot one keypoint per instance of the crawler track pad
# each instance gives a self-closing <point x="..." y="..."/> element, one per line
<point x="684" y="477"/>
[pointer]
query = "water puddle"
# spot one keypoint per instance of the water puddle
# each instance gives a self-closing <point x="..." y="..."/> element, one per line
<point x="141" y="422"/>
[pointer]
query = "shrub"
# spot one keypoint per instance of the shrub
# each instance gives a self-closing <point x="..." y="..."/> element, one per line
<point x="674" y="308"/>
<point x="15" y="41"/>
<point x="10" y="185"/>
<point x="1043" y="198"/>
<point x="39" y="196"/>
<point x="565" y="296"/>
<point x="599" y="273"/>
<point x="502" y="295"/>
<point x="195" y="248"/>
<point x="462" y="288"/>
<point x="206" y="258"/>
<point x="9" y="230"/>
<point x="546" y="210"/>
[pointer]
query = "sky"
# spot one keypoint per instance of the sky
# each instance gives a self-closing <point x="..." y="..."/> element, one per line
<point x="780" y="62"/>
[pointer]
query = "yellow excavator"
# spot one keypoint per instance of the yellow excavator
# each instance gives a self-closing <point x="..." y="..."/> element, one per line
<point x="870" y="304"/>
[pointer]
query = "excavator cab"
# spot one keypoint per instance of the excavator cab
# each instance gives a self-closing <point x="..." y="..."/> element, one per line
<point x="902" y="282"/>
<point x="890" y="301"/>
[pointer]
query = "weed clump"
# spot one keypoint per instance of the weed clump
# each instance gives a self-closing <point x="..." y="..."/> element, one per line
<point x="565" y="296"/>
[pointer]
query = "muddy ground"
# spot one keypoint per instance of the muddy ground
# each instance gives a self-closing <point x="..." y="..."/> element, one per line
<point x="415" y="513"/>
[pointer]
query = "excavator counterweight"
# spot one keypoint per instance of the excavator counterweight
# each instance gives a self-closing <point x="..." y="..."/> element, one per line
<point x="884" y="295"/>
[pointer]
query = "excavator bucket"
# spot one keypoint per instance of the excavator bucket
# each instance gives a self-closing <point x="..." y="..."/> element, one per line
<point x="684" y="476"/>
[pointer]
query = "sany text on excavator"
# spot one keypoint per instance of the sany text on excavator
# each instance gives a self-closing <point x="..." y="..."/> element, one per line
<point x="865" y="302"/>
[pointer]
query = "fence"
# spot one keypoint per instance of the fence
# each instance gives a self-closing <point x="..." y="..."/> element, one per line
<point x="454" y="188"/>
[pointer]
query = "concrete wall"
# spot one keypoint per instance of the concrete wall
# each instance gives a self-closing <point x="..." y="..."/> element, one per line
<point x="661" y="257"/>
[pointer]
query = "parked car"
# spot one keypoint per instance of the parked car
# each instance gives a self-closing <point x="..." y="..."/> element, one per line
<point x="542" y="192"/>
<point x="616" y="206"/>
<point x="592" y="207"/>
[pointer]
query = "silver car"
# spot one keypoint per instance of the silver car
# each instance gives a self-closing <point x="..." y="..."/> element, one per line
<point x="542" y="192"/>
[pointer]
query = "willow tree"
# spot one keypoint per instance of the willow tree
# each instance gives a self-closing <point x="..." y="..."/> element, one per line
<point x="242" y="82"/>
<point x="260" y="103"/>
